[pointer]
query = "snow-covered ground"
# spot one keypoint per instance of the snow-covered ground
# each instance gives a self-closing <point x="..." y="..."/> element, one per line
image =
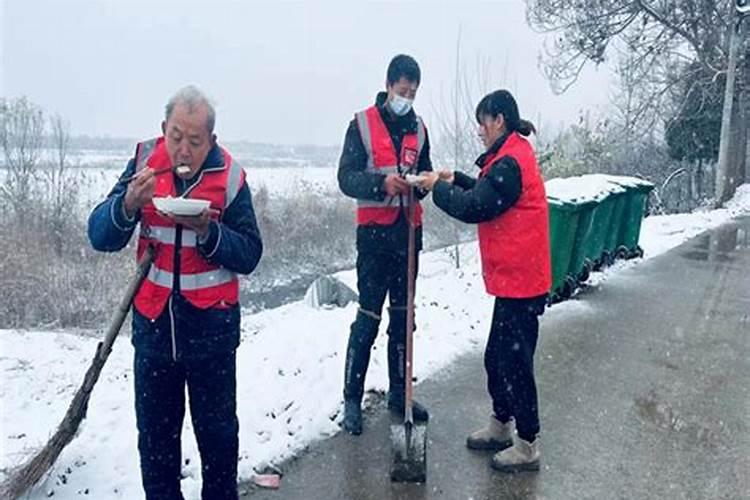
<point x="290" y="366"/>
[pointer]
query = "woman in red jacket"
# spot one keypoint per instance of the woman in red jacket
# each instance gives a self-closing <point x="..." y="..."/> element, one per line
<point x="509" y="204"/>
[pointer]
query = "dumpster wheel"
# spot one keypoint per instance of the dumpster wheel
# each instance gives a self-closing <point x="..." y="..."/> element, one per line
<point x="588" y="268"/>
<point x="569" y="287"/>
<point x="623" y="252"/>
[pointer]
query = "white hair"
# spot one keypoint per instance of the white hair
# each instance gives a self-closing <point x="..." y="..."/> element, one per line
<point x="192" y="97"/>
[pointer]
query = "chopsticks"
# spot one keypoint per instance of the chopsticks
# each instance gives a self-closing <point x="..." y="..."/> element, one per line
<point x="158" y="171"/>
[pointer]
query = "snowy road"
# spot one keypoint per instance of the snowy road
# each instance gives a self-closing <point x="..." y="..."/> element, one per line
<point x="644" y="393"/>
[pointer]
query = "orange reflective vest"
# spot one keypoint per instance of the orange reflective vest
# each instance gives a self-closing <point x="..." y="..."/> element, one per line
<point x="383" y="159"/>
<point x="203" y="284"/>
<point x="514" y="246"/>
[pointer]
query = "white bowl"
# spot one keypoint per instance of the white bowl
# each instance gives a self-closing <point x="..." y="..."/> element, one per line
<point x="181" y="206"/>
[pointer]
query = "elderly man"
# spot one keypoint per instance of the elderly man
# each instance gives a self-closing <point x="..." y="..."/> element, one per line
<point x="186" y="316"/>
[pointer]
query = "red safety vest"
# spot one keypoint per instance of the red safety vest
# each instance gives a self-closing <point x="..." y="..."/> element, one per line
<point x="515" y="246"/>
<point x="383" y="159"/>
<point x="203" y="284"/>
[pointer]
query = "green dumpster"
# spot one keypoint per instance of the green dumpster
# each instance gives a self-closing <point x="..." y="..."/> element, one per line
<point x="616" y="222"/>
<point x="635" y="207"/>
<point x="578" y="267"/>
<point x="563" y="222"/>
<point x="585" y="195"/>
<point x="600" y="224"/>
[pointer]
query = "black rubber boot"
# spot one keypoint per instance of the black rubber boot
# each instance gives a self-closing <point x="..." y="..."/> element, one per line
<point x="363" y="333"/>
<point x="352" y="422"/>
<point x="396" y="376"/>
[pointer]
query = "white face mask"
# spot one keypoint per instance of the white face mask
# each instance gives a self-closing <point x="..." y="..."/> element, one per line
<point x="400" y="105"/>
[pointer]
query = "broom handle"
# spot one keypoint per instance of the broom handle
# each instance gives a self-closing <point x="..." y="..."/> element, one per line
<point x="124" y="307"/>
<point x="410" y="268"/>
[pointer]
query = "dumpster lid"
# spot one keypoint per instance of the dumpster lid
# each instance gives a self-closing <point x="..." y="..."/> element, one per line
<point x="566" y="205"/>
<point x="581" y="189"/>
<point x="626" y="181"/>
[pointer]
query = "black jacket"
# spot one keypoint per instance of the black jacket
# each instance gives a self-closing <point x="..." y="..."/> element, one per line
<point x="479" y="200"/>
<point x="356" y="183"/>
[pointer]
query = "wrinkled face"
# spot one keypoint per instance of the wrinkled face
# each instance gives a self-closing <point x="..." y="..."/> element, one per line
<point x="403" y="88"/>
<point x="490" y="129"/>
<point x="187" y="137"/>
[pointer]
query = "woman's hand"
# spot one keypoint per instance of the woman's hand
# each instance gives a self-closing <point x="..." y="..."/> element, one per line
<point x="447" y="176"/>
<point x="428" y="179"/>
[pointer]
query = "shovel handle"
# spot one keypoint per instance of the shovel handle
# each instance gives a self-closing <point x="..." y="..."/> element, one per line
<point x="410" y="281"/>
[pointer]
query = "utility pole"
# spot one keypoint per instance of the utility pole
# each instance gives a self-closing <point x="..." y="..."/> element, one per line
<point x="724" y="181"/>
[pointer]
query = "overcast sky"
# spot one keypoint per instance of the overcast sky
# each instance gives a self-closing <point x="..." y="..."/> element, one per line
<point x="282" y="72"/>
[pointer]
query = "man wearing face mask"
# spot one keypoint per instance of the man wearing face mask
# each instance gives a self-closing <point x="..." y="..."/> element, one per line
<point x="383" y="143"/>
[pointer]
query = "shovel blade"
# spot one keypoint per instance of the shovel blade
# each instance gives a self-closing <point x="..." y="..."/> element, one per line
<point x="409" y="445"/>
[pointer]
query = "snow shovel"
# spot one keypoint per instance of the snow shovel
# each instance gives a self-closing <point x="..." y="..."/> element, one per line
<point x="409" y="441"/>
<point x="32" y="471"/>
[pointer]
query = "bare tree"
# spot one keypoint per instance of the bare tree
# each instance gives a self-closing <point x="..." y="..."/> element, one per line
<point x="661" y="37"/>
<point x="458" y="145"/>
<point x="61" y="186"/>
<point x="635" y="114"/>
<point x="21" y="139"/>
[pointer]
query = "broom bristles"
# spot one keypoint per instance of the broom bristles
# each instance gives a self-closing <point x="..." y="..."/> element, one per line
<point x="28" y="474"/>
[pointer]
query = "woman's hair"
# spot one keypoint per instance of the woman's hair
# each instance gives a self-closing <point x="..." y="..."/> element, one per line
<point x="501" y="102"/>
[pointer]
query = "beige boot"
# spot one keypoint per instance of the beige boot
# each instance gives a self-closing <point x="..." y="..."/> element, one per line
<point x="521" y="456"/>
<point x="496" y="436"/>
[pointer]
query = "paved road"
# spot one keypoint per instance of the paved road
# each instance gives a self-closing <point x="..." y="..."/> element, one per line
<point x="644" y="394"/>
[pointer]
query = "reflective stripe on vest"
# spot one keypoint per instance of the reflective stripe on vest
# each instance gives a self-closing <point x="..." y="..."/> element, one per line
<point x="168" y="235"/>
<point x="144" y="153"/>
<point x="191" y="281"/>
<point x="234" y="183"/>
<point x="366" y="135"/>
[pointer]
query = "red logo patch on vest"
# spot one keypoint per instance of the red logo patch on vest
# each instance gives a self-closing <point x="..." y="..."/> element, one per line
<point x="408" y="157"/>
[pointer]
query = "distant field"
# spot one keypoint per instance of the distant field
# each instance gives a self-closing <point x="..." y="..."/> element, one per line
<point x="280" y="181"/>
<point x="98" y="171"/>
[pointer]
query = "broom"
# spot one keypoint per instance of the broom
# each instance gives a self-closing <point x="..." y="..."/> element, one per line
<point x="28" y="474"/>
